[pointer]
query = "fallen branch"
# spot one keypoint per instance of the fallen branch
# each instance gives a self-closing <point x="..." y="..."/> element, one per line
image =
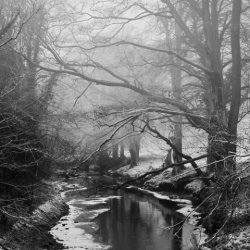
<point x="162" y="169"/>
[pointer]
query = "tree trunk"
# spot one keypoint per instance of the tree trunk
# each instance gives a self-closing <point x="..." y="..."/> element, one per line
<point x="122" y="154"/>
<point x="134" y="150"/>
<point x="115" y="152"/>
<point x="222" y="140"/>
<point x="236" y="74"/>
<point x="176" y="80"/>
<point x="218" y="152"/>
<point x="133" y="158"/>
<point x="137" y="148"/>
<point x="177" y="138"/>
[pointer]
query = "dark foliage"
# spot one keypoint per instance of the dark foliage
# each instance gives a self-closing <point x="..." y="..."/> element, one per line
<point x="21" y="150"/>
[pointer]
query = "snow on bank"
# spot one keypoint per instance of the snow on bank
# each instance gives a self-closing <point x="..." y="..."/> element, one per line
<point x="75" y="231"/>
<point x="72" y="235"/>
<point x="93" y="201"/>
<point x="142" y="168"/>
<point x="164" y="177"/>
<point x="192" y="217"/>
<point x="64" y="194"/>
<point x="160" y="196"/>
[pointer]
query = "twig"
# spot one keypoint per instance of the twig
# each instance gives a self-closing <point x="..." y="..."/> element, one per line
<point x="84" y="91"/>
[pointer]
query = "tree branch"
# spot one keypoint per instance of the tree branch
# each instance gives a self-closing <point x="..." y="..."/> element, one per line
<point x="187" y="157"/>
<point x="162" y="169"/>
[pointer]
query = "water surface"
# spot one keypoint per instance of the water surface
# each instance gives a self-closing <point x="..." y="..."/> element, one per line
<point x="139" y="223"/>
<point x="120" y="220"/>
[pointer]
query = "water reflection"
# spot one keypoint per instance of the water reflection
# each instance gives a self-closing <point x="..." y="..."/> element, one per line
<point x="134" y="223"/>
<point x="131" y="221"/>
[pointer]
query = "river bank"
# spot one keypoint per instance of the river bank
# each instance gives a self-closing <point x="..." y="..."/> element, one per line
<point x="76" y="220"/>
<point x="177" y="191"/>
<point x="75" y="224"/>
<point x="110" y="219"/>
<point x="235" y="234"/>
<point x="165" y="189"/>
<point x="31" y="231"/>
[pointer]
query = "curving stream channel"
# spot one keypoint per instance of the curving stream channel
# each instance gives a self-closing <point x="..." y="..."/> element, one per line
<point x="118" y="220"/>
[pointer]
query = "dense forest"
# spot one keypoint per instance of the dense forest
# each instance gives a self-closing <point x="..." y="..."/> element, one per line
<point x="160" y="87"/>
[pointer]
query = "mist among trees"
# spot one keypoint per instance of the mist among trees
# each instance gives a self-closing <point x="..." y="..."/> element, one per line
<point x="106" y="84"/>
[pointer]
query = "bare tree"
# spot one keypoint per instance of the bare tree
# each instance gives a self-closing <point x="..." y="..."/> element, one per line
<point x="207" y="62"/>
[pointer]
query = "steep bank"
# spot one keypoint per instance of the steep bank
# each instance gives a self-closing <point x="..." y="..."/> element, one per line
<point x="31" y="232"/>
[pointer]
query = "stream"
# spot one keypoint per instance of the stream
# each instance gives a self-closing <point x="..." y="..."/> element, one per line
<point x="118" y="220"/>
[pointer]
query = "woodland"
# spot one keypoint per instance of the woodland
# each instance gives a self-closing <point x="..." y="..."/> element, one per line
<point x="106" y="84"/>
